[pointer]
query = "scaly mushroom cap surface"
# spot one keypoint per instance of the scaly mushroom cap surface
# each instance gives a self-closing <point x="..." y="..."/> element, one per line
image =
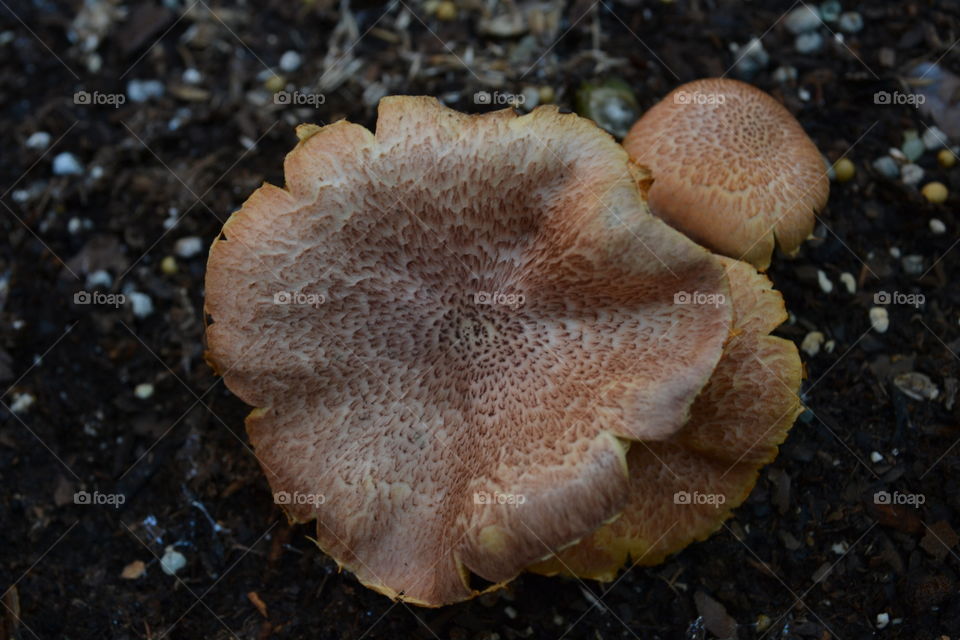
<point x="433" y="434"/>
<point x="732" y="169"/>
<point x="683" y="488"/>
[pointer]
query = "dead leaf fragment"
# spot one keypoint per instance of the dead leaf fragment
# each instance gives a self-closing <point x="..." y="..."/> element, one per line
<point x="258" y="602"/>
<point x="134" y="570"/>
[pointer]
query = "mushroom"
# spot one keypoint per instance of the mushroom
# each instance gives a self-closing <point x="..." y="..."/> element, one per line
<point x="683" y="488"/>
<point x="451" y="330"/>
<point x="732" y="169"/>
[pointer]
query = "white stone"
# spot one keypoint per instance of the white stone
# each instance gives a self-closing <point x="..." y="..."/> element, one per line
<point x="22" y="402"/>
<point x="143" y="390"/>
<point x="66" y="164"/>
<point x="879" y="319"/>
<point x="143" y="90"/>
<point x="38" y="140"/>
<point x="99" y="278"/>
<point x="188" y="247"/>
<point x="172" y="561"/>
<point x="848" y="281"/>
<point x="934" y="138"/>
<point x="911" y="173"/>
<point x="825" y="285"/>
<point x="802" y="20"/>
<point x="142" y="304"/>
<point x="876" y="457"/>
<point x="290" y="61"/>
<point x="937" y="226"/>
<point x="192" y="76"/>
<point x="811" y="343"/>
<point x="883" y="619"/>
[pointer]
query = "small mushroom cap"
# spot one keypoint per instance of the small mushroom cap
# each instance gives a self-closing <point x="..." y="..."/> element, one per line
<point x="732" y="169"/>
<point x="437" y="426"/>
<point x="683" y="488"/>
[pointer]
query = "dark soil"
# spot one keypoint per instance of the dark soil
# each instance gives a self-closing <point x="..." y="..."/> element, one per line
<point x="810" y="555"/>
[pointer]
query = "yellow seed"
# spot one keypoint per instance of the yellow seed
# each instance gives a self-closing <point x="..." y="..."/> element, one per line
<point x="946" y="158"/>
<point x="844" y="169"/>
<point x="935" y="192"/>
<point x="169" y="265"/>
<point x="446" y="11"/>
<point x="546" y="94"/>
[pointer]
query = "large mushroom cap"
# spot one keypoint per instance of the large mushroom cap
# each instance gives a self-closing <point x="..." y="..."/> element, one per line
<point x="732" y="168"/>
<point x="447" y="329"/>
<point x="683" y="488"/>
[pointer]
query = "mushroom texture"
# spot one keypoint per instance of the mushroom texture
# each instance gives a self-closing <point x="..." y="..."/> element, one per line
<point x="732" y="169"/>
<point x="684" y="487"/>
<point x="450" y="331"/>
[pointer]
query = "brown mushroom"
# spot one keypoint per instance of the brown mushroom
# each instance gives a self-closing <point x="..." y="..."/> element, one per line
<point x="449" y="330"/>
<point x="732" y="169"/>
<point x="684" y="487"/>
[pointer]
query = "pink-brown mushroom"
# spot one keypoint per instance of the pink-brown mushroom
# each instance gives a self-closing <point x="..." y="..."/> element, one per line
<point x="450" y="331"/>
<point x="732" y="169"/>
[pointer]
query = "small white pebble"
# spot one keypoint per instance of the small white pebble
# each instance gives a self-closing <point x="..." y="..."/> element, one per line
<point x="143" y="90"/>
<point x="934" y="138"/>
<point x="879" y="319"/>
<point x="66" y="164"/>
<point x="937" y="226"/>
<point x="824" y="281"/>
<point x="290" y="61"/>
<point x="143" y="390"/>
<point x="96" y="172"/>
<point x="38" y="140"/>
<point x="848" y="281"/>
<point x="894" y="252"/>
<point x="876" y="457"/>
<point x="188" y="247"/>
<point x="911" y="173"/>
<point x="511" y="612"/>
<point x="22" y="402"/>
<point x="172" y="561"/>
<point x="829" y="346"/>
<point x="883" y="619"/>
<point x="192" y="76"/>
<point x="811" y="343"/>
<point x="74" y="225"/>
<point x="142" y="304"/>
<point x="803" y="94"/>
<point x="839" y="548"/>
<point x="99" y="278"/>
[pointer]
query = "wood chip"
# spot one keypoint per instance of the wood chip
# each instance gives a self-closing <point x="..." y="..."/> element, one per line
<point x="134" y="570"/>
<point x="255" y="599"/>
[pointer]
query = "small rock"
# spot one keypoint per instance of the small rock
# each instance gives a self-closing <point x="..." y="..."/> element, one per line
<point x="887" y="166"/>
<point x="935" y="192"/>
<point x="505" y="25"/>
<point x="141" y="303"/>
<point x="883" y="619"/>
<point x="879" y="319"/>
<point x="143" y="90"/>
<point x="812" y="342"/>
<point x="848" y="281"/>
<point x="802" y="20"/>
<point x="38" y="140"/>
<point x="939" y="539"/>
<point x="917" y="386"/>
<point x="937" y="226"/>
<point x="913" y="149"/>
<point x="290" y="61"/>
<point x="750" y="58"/>
<point x="830" y="10"/>
<point x="825" y="285"/>
<point x="168" y="265"/>
<point x="876" y="457"/>
<point x="839" y="548"/>
<point x="850" y="22"/>
<point x="784" y="75"/>
<point x="844" y="170"/>
<point x="934" y="138"/>
<point x="22" y="402"/>
<point x="192" y="76"/>
<point x="66" y="164"/>
<point x="912" y="264"/>
<point x="911" y="174"/>
<point x="946" y="158"/>
<point x="172" y="561"/>
<point x="715" y="617"/>
<point x="134" y="570"/>
<point x="510" y="612"/>
<point x="143" y="390"/>
<point x="188" y="247"/>
<point x="809" y="42"/>
<point x="99" y="278"/>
